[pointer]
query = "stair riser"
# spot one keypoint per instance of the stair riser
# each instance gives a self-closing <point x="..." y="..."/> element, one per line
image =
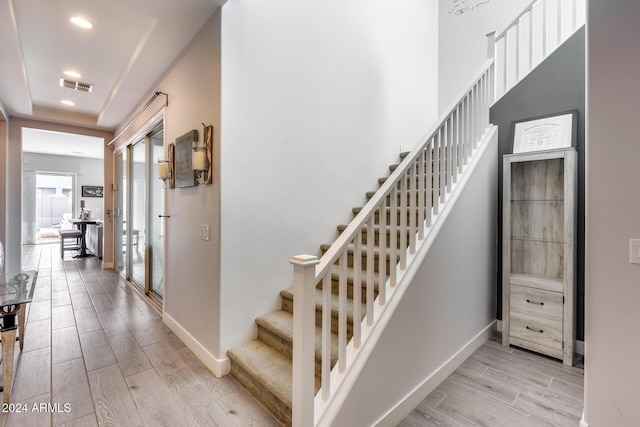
<point x="278" y="408"/>
<point x="284" y="346"/>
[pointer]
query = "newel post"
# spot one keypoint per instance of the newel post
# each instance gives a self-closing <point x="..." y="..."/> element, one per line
<point x="304" y="308"/>
<point x="491" y="45"/>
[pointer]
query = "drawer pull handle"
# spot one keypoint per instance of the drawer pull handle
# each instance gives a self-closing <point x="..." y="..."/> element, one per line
<point x="534" y="329"/>
<point x="535" y="302"/>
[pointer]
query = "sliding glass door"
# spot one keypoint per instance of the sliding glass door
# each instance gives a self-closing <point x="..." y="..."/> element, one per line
<point x="156" y="219"/>
<point x="136" y="228"/>
<point x="140" y="200"/>
<point x="120" y="210"/>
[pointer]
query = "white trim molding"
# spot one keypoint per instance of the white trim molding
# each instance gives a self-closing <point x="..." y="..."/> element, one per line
<point x="583" y="423"/>
<point x="396" y="414"/>
<point x="219" y="367"/>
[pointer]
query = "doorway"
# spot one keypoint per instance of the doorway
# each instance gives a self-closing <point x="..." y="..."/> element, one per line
<point x="55" y="166"/>
<point x="53" y="205"/>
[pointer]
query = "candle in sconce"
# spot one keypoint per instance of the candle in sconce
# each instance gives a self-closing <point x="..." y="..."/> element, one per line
<point x="163" y="170"/>
<point x="200" y="160"/>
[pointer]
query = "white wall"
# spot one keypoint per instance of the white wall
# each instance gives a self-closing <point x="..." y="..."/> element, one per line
<point x="317" y="98"/>
<point x="87" y="171"/>
<point x="612" y="340"/>
<point x="450" y="302"/>
<point x="463" y="43"/>
<point x="192" y="296"/>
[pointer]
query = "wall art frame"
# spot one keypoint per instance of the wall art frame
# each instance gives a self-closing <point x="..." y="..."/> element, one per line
<point x="546" y="132"/>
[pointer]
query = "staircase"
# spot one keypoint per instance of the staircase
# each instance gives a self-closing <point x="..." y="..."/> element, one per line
<point x="263" y="365"/>
<point x="358" y="278"/>
<point x="366" y="262"/>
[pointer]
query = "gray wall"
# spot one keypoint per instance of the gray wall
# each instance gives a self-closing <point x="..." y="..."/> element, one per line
<point x="556" y="85"/>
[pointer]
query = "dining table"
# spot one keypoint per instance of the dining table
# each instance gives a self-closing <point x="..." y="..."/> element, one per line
<point x="82" y="225"/>
<point x="16" y="290"/>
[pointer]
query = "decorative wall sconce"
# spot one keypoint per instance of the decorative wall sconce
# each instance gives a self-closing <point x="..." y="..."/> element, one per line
<point x="202" y="157"/>
<point x="165" y="169"/>
<point x="200" y="162"/>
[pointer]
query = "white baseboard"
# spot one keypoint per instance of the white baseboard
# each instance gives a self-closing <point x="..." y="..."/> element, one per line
<point x="399" y="412"/>
<point x="583" y="423"/>
<point x="579" y="344"/>
<point x="219" y="367"/>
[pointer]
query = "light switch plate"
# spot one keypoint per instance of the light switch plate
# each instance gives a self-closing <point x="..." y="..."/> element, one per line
<point x="204" y="232"/>
<point x="634" y="251"/>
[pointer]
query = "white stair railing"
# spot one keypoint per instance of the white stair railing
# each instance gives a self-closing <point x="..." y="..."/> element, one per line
<point x="407" y="204"/>
<point x="541" y="27"/>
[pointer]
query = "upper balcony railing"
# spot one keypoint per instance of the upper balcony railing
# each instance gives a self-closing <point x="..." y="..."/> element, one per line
<point x="541" y="27"/>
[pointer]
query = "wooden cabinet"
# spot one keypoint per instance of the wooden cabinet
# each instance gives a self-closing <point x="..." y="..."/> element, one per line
<point x="538" y="252"/>
<point x="94" y="239"/>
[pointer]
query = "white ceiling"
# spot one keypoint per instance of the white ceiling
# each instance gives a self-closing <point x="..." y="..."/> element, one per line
<point x="62" y="144"/>
<point x="132" y="44"/>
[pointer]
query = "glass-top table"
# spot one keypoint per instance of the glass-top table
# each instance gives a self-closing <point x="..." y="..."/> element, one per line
<point x="16" y="290"/>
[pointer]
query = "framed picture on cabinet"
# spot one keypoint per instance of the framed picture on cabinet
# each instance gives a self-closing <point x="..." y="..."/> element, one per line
<point x="547" y="132"/>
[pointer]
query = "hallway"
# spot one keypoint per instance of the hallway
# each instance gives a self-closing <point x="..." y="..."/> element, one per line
<point x="97" y="354"/>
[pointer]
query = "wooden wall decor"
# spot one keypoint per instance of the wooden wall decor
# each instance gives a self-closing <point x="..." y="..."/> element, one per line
<point x="171" y="156"/>
<point x="184" y="159"/>
<point x="207" y="142"/>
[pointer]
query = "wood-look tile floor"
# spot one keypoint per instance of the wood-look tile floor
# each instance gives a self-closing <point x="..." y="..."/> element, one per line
<point x="96" y="354"/>
<point x="500" y="386"/>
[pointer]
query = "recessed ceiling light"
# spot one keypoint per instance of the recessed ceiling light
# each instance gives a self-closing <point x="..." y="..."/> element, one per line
<point x="72" y="73"/>
<point x="81" y="22"/>
<point x="67" y="102"/>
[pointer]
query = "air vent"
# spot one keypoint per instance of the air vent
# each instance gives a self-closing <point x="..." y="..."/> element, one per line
<point x="71" y="84"/>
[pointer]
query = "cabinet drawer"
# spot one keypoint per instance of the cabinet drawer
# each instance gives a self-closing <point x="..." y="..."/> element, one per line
<point x="536" y="302"/>
<point x="536" y="329"/>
